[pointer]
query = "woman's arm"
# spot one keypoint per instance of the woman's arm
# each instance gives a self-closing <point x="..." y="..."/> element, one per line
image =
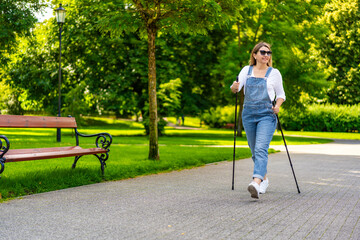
<point x="279" y="92"/>
<point x="236" y="86"/>
<point x="277" y="106"/>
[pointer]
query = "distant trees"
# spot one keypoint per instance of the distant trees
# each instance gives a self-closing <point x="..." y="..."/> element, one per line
<point x="16" y="19"/>
<point x="340" y="50"/>
<point x="151" y="18"/>
<point x="128" y="57"/>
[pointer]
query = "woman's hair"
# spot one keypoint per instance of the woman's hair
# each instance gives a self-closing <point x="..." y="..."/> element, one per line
<point x="256" y="49"/>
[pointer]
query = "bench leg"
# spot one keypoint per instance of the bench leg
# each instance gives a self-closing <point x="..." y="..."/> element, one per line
<point x="102" y="167"/>
<point x="102" y="158"/>
<point x="2" y="163"/>
<point x="76" y="159"/>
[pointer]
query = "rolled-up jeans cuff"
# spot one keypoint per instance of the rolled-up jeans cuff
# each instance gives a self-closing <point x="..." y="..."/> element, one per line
<point x="258" y="176"/>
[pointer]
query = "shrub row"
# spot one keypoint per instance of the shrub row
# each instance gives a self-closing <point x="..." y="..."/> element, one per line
<point x="315" y="117"/>
<point x="322" y="118"/>
<point x="219" y="116"/>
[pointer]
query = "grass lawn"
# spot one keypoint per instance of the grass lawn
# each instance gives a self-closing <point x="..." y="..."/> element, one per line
<point x="189" y="121"/>
<point x="336" y="135"/>
<point x="128" y="155"/>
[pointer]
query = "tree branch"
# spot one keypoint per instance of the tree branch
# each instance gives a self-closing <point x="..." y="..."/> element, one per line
<point x="144" y="14"/>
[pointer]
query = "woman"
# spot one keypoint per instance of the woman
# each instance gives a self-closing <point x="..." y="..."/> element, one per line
<point x="261" y="84"/>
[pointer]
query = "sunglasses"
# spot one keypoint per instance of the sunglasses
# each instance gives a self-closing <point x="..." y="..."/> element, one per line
<point x="263" y="52"/>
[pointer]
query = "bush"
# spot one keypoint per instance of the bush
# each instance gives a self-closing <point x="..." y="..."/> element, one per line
<point x="217" y="118"/>
<point x="322" y="118"/>
<point x="161" y="126"/>
<point x="315" y="117"/>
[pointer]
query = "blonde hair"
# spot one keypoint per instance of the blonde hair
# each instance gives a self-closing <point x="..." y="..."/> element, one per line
<point x="256" y="49"/>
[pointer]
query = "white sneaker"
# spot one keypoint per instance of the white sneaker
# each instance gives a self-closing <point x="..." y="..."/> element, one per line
<point x="264" y="185"/>
<point x="253" y="189"/>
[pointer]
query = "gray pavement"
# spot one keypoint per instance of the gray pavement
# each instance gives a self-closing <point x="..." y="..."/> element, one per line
<point x="199" y="203"/>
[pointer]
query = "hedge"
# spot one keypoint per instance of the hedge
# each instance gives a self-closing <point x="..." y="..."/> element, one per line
<point x="322" y="118"/>
<point x="315" y="117"/>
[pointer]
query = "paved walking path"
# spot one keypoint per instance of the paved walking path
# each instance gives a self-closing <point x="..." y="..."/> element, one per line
<point x="199" y="203"/>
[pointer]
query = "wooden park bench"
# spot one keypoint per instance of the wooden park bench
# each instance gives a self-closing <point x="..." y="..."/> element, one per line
<point x="101" y="151"/>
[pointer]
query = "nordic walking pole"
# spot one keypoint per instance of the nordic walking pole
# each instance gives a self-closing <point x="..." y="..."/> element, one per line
<point x="233" y="174"/>
<point x="282" y="134"/>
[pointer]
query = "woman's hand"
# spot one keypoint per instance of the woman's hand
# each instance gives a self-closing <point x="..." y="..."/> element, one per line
<point x="276" y="109"/>
<point x="235" y="87"/>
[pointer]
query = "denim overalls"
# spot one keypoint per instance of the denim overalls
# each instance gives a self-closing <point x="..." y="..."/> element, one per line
<point x="259" y="121"/>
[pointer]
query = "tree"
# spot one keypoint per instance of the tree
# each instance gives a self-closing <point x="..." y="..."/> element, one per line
<point x="112" y="71"/>
<point x="290" y="26"/>
<point x="109" y="73"/>
<point x="16" y="19"/>
<point x="340" y="49"/>
<point x="192" y="58"/>
<point x="152" y="17"/>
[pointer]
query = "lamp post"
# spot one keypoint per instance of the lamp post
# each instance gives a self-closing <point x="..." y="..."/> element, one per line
<point x="60" y="18"/>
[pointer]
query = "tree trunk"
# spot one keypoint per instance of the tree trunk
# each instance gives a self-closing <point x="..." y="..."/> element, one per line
<point x="153" y="128"/>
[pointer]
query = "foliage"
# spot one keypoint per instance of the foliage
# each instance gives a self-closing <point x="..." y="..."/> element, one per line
<point x="219" y="116"/>
<point x="16" y="19"/>
<point x="340" y="49"/>
<point x="9" y="101"/>
<point x="111" y="73"/>
<point x="77" y="101"/>
<point x="190" y="16"/>
<point x="161" y="126"/>
<point x="33" y="70"/>
<point x="114" y="69"/>
<point x="153" y="17"/>
<point x="327" y="117"/>
<point x="193" y="58"/>
<point x="290" y="27"/>
<point x="315" y="117"/>
<point x="169" y="97"/>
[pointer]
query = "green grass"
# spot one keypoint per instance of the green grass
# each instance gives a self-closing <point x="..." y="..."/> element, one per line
<point x="23" y="178"/>
<point x="179" y="149"/>
<point x="225" y="137"/>
<point x="189" y="121"/>
<point x="336" y="135"/>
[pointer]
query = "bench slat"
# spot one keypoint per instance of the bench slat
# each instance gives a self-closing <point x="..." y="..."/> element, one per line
<point x="16" y="155"/>
<point x="16" y="121"/>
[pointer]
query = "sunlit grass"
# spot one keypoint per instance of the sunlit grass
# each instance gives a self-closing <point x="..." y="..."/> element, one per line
<point x="179" y="149"/>
<point x="189" y="122"/>
<point x="336" y="135"/>
<point x="22" y="178"/>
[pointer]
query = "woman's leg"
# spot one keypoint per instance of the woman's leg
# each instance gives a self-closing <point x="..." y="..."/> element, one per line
<point x="264" y="133"/>
<point x="250" y="130"/>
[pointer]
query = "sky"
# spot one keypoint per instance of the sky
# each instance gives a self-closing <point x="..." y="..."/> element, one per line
<point x="48" y="13"/>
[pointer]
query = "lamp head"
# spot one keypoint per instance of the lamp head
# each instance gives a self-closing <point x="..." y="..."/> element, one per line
<point x="60" y="15"/>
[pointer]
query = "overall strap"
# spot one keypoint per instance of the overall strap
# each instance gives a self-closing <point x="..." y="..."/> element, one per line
<point x="268" y="72"/>
<point x="250" y="71"/>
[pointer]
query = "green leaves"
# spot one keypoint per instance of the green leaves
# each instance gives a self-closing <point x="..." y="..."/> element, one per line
<point x="340" y="48"/>
<point x="190" y="16"/>
<point x="16" y="19"/>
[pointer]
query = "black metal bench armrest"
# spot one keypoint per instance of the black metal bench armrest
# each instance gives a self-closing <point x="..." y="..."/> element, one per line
<point x="103" y="139"/>
<point x="4" y="147"/>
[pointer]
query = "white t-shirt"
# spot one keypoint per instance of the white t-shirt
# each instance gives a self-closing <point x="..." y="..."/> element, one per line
<point x="273" y="82"/>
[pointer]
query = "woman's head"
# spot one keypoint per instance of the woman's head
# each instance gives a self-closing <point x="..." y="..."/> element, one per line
<point x="261" y="52"/>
